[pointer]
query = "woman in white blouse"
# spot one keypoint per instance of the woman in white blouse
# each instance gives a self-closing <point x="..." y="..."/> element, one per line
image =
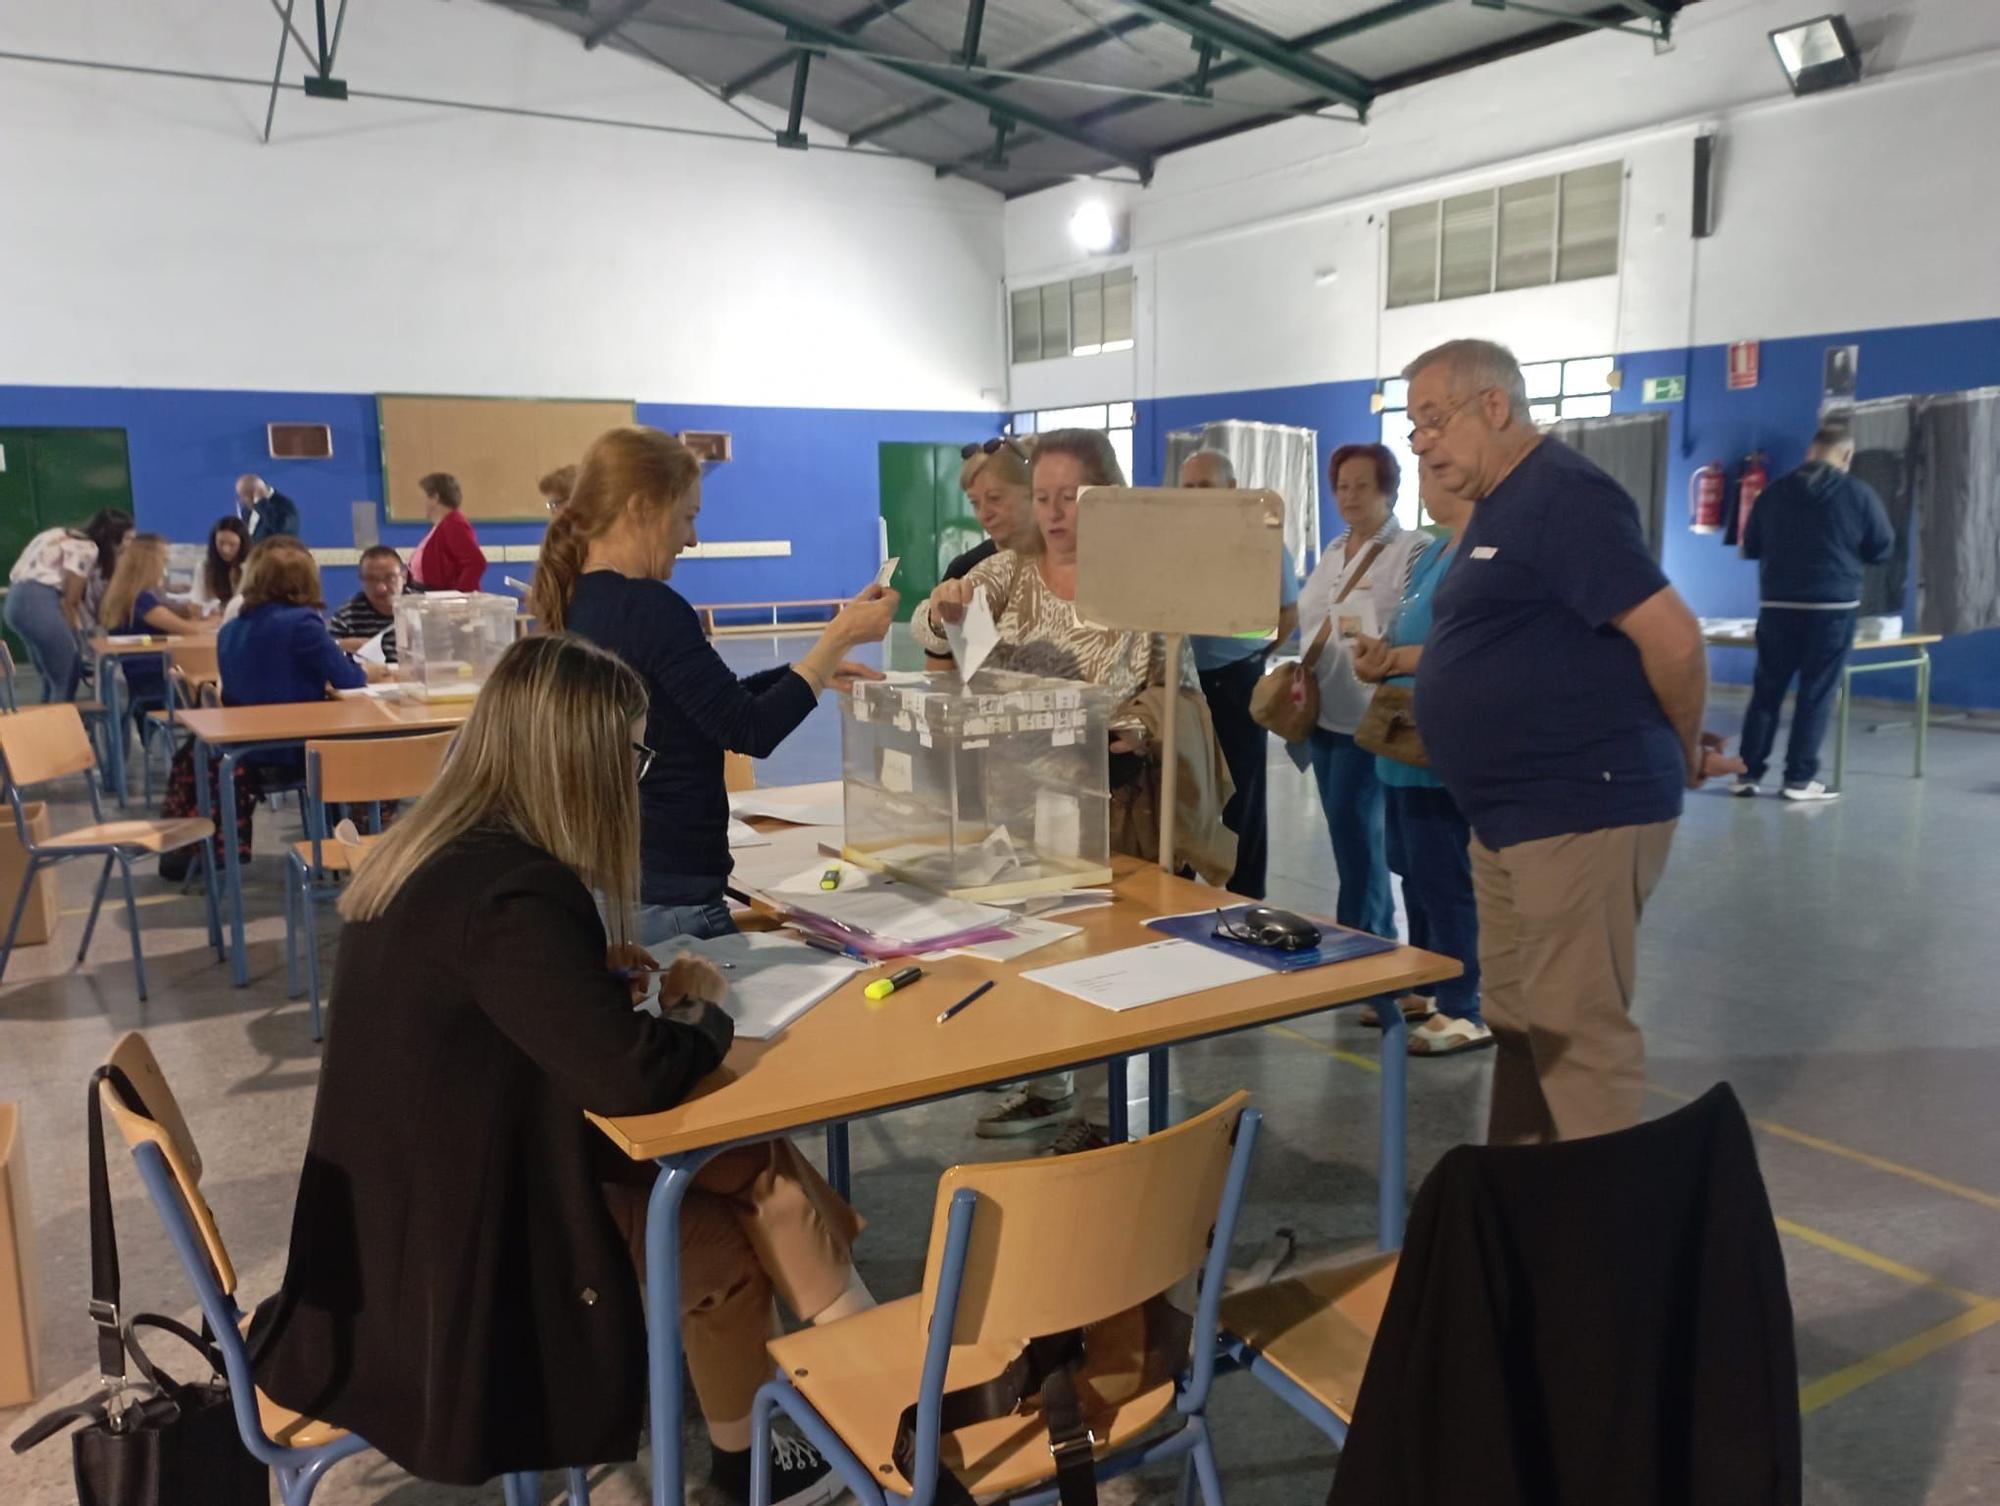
<point x="45" y="597"/>
<point x="1376" y="553"/>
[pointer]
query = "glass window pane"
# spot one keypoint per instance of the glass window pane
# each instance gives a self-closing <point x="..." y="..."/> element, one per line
<point x="1118" y="293"/>
<point x="1396" y="436"/>
<point x="1527" y="233"/>
<point x="1541" y="414"/>
<point x="1086" y="302"/>
<point x="1468" y="245"/>
<point x="1544" y="379"/>
<point x="1055" y="319"/>
<point x="1091" y="416"/>
<point x="1119" y="416"/>
<point x="1587" y="407"/>
<point x="1413" y="247"/>
<point x="1395" y="393"/>
<point x="1121" y="446"/>
<point x="1591" y="197"/>
<point x="1591" y="374"/>
<point x="1027" y="325"/>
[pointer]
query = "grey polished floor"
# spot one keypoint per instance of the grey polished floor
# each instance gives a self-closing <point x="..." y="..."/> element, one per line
<point x="1837" y="963"/>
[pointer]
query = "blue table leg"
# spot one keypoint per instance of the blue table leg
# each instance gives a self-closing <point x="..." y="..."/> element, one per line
<point x="839" y="1167"/>
<point x="239" y="959"/>
<point x="1158" y="1088"/>
<point x="663" y="1320"/>
<point x="1118" y="1128"/>
<point x="1390" y="1167"/>
<point x="205" y="808"/>
<point x="109" y="691"/>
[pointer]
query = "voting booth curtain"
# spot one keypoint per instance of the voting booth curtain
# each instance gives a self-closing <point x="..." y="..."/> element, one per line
<point x="1632" y="449"/>
<point x="1277" y="456"/>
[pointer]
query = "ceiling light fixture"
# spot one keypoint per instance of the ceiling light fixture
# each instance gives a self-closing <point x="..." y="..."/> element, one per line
<point x="1095" y="229"/>
<point x="1818" y="54"/>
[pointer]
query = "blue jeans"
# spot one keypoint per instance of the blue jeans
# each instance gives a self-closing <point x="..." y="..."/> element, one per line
<point x="1813" y="646"/>
<point x="1430" y="849"/>
<point x="654" y="924"/>
<point x="1352" y="797"/>
<point x="34" y="612"/>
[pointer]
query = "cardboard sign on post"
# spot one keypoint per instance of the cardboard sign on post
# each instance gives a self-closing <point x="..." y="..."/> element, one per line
<point x="1175" y="561"/>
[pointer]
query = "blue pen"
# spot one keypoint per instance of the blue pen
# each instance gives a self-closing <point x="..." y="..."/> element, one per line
<point x="965" y="1001"/>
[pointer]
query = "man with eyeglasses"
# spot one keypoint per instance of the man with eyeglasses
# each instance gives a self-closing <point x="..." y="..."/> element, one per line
<point x="1560" y="700"/>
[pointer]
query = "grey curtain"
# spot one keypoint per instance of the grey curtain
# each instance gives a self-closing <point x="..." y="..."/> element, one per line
<point x="1958" y="450"/>
<point x="1632" y="449"/>
<point x="1885" y="459"/>
<point x="1277" y="456"/>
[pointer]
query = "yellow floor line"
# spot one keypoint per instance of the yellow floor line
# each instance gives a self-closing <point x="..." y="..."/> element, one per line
<point x="111" y="904"/>
<point x="1833" y="1244"/>
<point x="1352" y="1060"/>
<point x="1830" y="1388"/>
<point x="1860" y="1157"/>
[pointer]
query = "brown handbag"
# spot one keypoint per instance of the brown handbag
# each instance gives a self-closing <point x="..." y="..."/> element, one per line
<point x="1286" y="701"/>
<point x="1389" y="729"/>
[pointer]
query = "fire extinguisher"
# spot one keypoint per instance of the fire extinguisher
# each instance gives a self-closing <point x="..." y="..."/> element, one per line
<point x="1749" y="487"/>
<point x="1706" y="489"/>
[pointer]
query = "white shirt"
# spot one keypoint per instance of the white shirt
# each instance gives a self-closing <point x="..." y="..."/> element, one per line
<point x="1343" y="700"/>
<point x="53" y="554"/>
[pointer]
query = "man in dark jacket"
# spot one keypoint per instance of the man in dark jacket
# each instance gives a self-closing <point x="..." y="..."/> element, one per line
<point x="264" y="512"/>
<point x="1811" y="532"/>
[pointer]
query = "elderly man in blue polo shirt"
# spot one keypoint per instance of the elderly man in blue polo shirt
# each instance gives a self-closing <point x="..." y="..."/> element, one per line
<point x="1560" y="700"/>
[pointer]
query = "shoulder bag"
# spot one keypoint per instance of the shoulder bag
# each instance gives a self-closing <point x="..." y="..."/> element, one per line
<point x="1286" y="701"/>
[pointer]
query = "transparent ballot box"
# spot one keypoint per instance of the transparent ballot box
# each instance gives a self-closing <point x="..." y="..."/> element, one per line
<point x="447" y="642"/>
<point x="991" y="793"/>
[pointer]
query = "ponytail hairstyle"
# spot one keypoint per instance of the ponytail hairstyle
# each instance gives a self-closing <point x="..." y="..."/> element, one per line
<point x="620" y="465"/>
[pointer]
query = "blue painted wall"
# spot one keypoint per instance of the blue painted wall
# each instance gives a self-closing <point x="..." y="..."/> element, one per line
<point x="1777" y="416"/>
<point x="804" y="474"/>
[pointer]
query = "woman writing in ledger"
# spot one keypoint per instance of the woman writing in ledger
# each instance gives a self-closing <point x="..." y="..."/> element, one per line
<point x="449" y="558"/>
<point x="603" y="573"/>
<point x="135" y="603"/>
<point x="221" y="572"/>
<point x="460" y="1287"/>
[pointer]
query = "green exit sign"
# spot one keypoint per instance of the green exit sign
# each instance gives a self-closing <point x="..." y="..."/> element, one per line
<point x="1670" y="389"/>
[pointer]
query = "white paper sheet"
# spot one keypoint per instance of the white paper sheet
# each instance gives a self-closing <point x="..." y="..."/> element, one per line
<point x="888" y="571"/>
<point x="741" y="835"/>
<point x="800" y="804"/>
<point x="1143" y="975"/>
<point x="1029" y="936"/>
<point x="1047" y="905"/>
<point x="973" y="640"/>
<point x="372" y="651"/>
<point x="773" y="979"/>
<point x="898" y="912"/>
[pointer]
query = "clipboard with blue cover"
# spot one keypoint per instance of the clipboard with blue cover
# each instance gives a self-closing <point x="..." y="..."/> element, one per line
<point x="1336" y="942"/>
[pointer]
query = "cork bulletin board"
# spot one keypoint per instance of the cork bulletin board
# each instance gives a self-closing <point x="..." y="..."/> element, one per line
<point x="497" y="447"/>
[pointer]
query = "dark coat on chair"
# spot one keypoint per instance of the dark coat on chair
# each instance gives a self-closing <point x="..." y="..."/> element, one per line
<point x="457" y="1292"/>
<point x="1601" y="1322"/>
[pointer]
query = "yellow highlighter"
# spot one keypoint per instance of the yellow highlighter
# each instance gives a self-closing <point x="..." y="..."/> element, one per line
<point x="881" y="988"/>
<point x="830" y="879"/>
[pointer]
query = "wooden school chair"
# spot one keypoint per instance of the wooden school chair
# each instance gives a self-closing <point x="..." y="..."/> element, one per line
<point x="349" y="771"/>
<point x="193" y="679"/>
<point x="918" y="1401"/>
<point x="48" y="742"/>
<point x="134" y="1094"/>
<point x="1306" y="1339"/>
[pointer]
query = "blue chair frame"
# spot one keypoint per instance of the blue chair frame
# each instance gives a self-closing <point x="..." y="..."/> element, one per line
<point x="305" y="887"/>
<point x="1191" y="1440"/>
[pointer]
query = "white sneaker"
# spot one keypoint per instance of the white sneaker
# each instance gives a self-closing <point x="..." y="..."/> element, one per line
<point x="1744" y="787"/>
<point x="1812" y="789"/>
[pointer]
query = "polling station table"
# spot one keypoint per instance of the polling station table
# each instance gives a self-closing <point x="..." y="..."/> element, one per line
<point x="847" y="1059"/>
<point x="110" y="690"/>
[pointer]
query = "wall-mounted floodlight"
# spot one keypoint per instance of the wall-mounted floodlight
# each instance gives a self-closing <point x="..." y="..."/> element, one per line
<point x="1817" y="54"/>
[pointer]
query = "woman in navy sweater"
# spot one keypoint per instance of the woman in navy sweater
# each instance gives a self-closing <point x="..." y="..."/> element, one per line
<point x="602" y="574"/>
<point x="276" y="650"/>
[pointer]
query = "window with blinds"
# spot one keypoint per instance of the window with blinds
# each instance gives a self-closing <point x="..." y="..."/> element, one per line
<point x="1085" y="316"/>
<point x="1561" y="228"/>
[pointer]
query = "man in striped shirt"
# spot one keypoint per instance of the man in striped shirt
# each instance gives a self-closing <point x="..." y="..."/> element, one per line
<point x="373" y="608"/>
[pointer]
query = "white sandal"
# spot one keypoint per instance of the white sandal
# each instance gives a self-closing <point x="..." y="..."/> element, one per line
<point x="1415" y="1007"/>
<point x="1447" y="1035"/>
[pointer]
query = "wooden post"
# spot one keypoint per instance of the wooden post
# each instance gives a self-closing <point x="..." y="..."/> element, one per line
<point x="1170" y="765"/>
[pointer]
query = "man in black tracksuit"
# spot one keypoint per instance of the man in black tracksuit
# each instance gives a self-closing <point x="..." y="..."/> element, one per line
<point x="1811" y="532"/>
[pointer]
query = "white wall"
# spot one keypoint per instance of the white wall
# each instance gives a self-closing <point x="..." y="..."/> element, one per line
<point x="147" y="238"/>
<point x="1870" y="206"/>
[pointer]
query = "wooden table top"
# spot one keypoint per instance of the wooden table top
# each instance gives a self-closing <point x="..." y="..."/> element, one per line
<point x="1749" y="640"/>
<point x="847" y="1057"/>
<point x="154" y="643"/>
<point x="296" y="721"/>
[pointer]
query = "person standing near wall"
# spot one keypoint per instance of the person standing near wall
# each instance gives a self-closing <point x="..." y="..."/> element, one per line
<point x="449" y="558"/>
<point x="1560" y="701"/>
<point x="1811" y="534"/>
<point x="1230" y="669"/>
<point x="45" y="601"/>
<point x="265" y="513"/>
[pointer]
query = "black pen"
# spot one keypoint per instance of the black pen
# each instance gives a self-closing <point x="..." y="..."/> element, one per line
<point x="965" y="1001"/>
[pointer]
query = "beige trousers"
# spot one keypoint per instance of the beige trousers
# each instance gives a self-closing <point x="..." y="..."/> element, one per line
<point x="1558" y="926"/>
<point x="759" y="1220"/>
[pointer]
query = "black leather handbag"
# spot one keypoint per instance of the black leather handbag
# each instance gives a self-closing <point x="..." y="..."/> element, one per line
<point x="161" y="1441"/>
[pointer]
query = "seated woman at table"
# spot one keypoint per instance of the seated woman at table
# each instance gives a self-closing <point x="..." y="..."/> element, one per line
<point x="603" y="573"/>
<point x="459" y="1289"/>
<point x="276" y="651"/>
<point x="1033" y="601"/>
<point x="135" y="604"/>
<point x="221" y="573"/>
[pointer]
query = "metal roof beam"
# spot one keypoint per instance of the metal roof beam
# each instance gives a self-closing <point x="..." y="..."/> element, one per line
<point x="1261" y="49"/>
<point x="852" y="26"/>
<point x="594" y="38"/>
<point x="945" y="78"/>
<point x="1062" y="52"/>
